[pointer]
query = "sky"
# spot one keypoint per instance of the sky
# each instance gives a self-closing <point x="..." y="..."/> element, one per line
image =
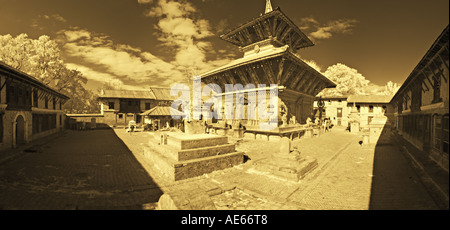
<point x="143" y="43"/>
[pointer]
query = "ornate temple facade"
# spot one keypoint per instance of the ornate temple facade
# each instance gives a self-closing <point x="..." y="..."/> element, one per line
<point x="269" y="44"/>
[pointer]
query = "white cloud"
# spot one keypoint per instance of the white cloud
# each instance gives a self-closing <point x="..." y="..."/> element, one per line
<point x="73" y="35"/>
<point x="106" y="78"/>
<point x="145" y="68"/>
<point x="145" y="1"/>
<point x="91" y="74"/>
<point x="58" y="17"/>
<point x="178" y="28"/>
<point x="338" y="26"/>
<point x="306" y="23"/>
<point x="129" y="64"/>
<point x="183" y="30"/>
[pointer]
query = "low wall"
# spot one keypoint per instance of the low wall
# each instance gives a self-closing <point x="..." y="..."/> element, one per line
<point x="91" y="121"/>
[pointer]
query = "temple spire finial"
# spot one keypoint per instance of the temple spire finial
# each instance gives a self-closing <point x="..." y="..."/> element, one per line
<point x="268" y="7"/>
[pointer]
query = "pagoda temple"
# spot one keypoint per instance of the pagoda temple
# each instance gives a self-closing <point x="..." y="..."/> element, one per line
<point x="269" y="44"/>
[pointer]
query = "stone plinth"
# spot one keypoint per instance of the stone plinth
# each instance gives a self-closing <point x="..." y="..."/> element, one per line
<point x="185" y="141"/>
<point x="187" y="156"/>
<point x="194" y="127"/>
<point x="366" y="134"/>
<point x="309" y="132"/>
<point x="290" y="167"/>
<point x="354" y="127"/>
<point x="287" y="164"/>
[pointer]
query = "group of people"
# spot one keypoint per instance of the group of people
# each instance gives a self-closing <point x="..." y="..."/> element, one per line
<point x="325" y="124"/>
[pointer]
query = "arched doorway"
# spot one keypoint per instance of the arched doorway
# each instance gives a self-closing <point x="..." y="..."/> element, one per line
<point x="20" y="130"/>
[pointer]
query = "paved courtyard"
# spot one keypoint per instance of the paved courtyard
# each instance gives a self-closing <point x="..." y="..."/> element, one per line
<point x="349" y="177"/>
<point x="79" y="170"/>
<point x="106" y="169"/>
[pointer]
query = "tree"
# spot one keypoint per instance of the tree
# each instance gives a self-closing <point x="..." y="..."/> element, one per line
<point x="313" y="64"/>
<point x="113" y="84"/>
<point x="348" y="81"/>
<point x="391" y="88"/>
<point x="42" y="59"/>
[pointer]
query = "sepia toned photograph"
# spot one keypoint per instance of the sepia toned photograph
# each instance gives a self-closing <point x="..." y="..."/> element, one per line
<point x="230" y="105"/>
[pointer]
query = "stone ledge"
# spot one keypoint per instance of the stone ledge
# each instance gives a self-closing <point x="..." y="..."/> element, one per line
<point x="198" y="167"/>
<point x="196" y="141"/>
<point x="179" y="170"/>
<point x="294" y="170"/>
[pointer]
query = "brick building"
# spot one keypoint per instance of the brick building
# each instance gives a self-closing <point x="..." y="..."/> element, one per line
<point x="118" y="107"/>
<point x="421" y="103"/>
<point x="368" y="106"/>
<point x="335" y="109"/>
<point x="29" y="109"/>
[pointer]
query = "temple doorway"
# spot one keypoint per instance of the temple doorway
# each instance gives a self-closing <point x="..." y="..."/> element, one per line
<point x="20" y="130"/>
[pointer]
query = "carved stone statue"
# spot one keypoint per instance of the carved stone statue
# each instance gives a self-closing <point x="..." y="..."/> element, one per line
<point x="309" y="121"/>
<point x="293" y="120"/>
<point x="284" y="119"/>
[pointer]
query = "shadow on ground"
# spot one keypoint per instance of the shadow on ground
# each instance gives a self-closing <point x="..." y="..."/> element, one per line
<point x="91" y="169"/>
<point x="396" y="184"/>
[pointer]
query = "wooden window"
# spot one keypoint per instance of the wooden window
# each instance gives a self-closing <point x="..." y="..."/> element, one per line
<point x="441" y="133"/>
<point x="147" y="106"/>
<point x="1" y="128"/>
<point x="437" y="132"/>
<point x="437" y="90"/>
<point x="35" y="123"/>
<point x="18" y="96"/>
<point x="35" y="98"/>
<point x="10" y="95"/>
<point x="445" y="130"/>
<point x="369" y="119"/>
<point x="111" y="105"/>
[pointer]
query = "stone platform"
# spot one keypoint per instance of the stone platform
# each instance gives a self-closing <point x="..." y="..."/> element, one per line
<point x="287" y="164"/>
<point x="182" y="156"/>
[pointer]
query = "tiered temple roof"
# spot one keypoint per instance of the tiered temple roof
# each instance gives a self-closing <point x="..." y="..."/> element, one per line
<point x="269" y="43"/>
<point x="274" y="24"/>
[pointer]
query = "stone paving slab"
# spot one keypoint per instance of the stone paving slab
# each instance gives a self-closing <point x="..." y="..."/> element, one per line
<point x="344" y="180"/>
<point x="79" y="170"/>
<point x="349" y="176"/>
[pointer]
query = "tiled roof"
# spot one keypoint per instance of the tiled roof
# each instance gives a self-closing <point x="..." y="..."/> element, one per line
<point x="369" y="99"/>
<point x="128" y="94"/>
<point x="162" y="111"/>
<point x="417" y="74"/>
<point x="29" y="79"/>
<point x="155" y="93"/>
<point x="162" y="94"/>
<point x="267" y="53"/>
<point x="262" y="55"/>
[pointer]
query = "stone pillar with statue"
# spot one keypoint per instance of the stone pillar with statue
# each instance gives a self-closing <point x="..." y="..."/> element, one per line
<point x="354" y="120"/>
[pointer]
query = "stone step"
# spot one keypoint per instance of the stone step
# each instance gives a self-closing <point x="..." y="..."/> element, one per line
<point x="293" y="170"/>
<point x="179" y="170"/>
<point x="188" y="154"/>
<point x="197" y="167"/>
<point x="197" y="153"/>
<point x="195" y="141"/>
